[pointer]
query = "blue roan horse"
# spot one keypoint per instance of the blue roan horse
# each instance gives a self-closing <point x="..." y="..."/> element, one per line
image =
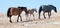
<point x="48" y="9"/>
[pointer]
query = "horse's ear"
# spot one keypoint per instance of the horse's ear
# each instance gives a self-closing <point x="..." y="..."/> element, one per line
<point x="19" y="7"/>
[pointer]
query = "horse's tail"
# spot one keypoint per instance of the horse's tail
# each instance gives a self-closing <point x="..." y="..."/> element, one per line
<point x="40" y="9"/>
<point x="8" y="12"/>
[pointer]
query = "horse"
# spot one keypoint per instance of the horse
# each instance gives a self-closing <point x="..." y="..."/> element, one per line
<point x="31" y="11"/>
<point x="15" y="11"/>
<point x="48" y="9"/>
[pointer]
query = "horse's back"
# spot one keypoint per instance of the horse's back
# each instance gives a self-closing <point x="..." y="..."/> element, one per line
<point x="46" y="8"/>
<point x="22" y="7"/>
<point x="32" y="11"/>
<point x="15" y="11"/>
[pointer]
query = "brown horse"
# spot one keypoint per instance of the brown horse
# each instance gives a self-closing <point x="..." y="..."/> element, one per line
<point x="32" y="11"/>
<point x="15" y="11"/>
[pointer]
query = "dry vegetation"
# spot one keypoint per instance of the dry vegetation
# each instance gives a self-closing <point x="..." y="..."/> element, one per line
<point x="53" y="22"/>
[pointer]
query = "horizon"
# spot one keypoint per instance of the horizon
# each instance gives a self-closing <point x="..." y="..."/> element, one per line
<point x="5" y="4"/>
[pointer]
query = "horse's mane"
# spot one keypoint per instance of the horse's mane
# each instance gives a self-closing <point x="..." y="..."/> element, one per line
<point x="21" y="7"/>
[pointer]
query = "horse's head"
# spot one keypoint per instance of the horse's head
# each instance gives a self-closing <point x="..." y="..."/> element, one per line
<point x="24" y="9"/>
<point x="53" y="7"/>
<point x="34" y="9"/>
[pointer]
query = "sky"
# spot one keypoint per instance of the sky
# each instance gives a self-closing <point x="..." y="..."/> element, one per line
<point x="5" y="4"/>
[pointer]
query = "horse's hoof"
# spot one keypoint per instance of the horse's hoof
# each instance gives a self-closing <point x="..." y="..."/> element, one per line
<point x="39" y="18"/>
<point x="17" y="21"/>
<point x="21" y="20"/>
<point x="49" y="18"/>
<point x="10" y="21"/>
<point x="45" y="17"/>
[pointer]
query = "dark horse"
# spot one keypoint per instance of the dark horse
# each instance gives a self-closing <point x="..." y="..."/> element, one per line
<point x="15" y="11"/>
<point x="48" y="9"/>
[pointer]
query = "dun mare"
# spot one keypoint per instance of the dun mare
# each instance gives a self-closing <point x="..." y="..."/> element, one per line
<point x="15" y="11"/>
<point x="32" y="11"/>
<point x="48" y="9"/>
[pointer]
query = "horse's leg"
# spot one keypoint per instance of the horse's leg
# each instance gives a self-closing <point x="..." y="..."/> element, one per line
<point x="33" y="17"/>
<point x="39" y="15"/>
<point x="10" y="18"/>
<point x="44" y="15"/>
<point x="18" y="18"/>
<point x="49" y="14"/>
<point x="26" y="16"/>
